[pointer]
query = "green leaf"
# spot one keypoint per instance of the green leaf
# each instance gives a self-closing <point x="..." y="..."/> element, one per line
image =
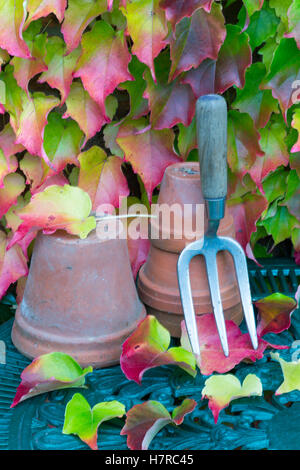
<point x="62" y="142"/>
<point x="253" y="5"/>
<point x="291" y="374"/>
<point x="263" y="24"/>
<point x="222" y="389"/>
<point x="274" y="313"/>
<point x="260" y="104"/>
<point x="280" y="223"/>
<point x="83" y="421"/>
<point x="51" y="371"/>
<point x="284" y="71"/>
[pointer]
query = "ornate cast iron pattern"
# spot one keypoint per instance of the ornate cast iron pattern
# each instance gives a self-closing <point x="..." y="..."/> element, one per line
<point x="252" y="423"/>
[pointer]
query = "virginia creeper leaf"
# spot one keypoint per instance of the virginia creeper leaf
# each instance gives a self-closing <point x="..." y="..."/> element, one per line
<point x="33" y="168"/>
<point x="84" y="110"/>
<point x="258" y="103"/>
<point x="102" y="177"/>
<point x="149" y="151"/>
<point x="274" y="313"/>
<point x="110" y="133"/>
<point x="103" y="64"/>
<point x="13" y="186"/>
<point x="48" y="372"/>
<point x="4" y="57"/>
<point x="84" y="421"/>
<point x="79" y="14"/>
<point x="212" y="358"/>
<point x="246" y="211"/>
<point x="253" y="5"/>
<point x="146" y="24"/>
<point x="243" y="143"/>
<point x="13" y="263"/>
<point x="55" y="208"/>
<point x="147" y="347"/>
<point x="33" y="120"/>
<point x="14" y="96"/>
<point x="176" y="10"/>
<point x="7" y="165"/>
<point x="144" y="421"/>
<point x="275" y="152"/>
<point x="233" y="60"/>
<point x="138" y="104"/>
<point x="24" y="69"/>
<point x="170" y="104"/>
<point x="284" y="71"/>
<point x="197" y="38"/>
<point x="291" y="374"/>
<point x="279" y="223"/>
<point x="138" y="253"/>
<point x="40" y="8"/>
<point x="62" y="142"/>
<point x="263" y="24"/>
<point x="202" y="79"/>
<point x="13" y="15"/>
<point x="187" y="139"/>
<point x="294" y="21"/>
<point x="222" y="389"/>
<point x="60" y="66"/>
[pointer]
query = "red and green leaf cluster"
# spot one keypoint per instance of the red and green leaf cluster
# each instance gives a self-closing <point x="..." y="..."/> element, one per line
<point x="89" y="88"/>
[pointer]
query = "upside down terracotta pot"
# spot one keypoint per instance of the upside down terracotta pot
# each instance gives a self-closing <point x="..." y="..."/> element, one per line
<point x="80" y="298"/>
<point x="158" y="284"/>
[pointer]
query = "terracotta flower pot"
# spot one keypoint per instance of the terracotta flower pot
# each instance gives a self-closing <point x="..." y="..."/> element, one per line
<point x="80" y="299"/>
<point x="158" y="284"/>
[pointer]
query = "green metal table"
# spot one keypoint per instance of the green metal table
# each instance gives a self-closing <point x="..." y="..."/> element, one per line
<point x="267" y="422"/>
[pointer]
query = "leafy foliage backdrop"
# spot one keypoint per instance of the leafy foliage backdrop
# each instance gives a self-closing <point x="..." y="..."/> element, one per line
<point x="100" y="95"/>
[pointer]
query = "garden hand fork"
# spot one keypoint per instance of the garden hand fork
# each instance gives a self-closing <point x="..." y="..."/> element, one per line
<point x="211" y="115"/>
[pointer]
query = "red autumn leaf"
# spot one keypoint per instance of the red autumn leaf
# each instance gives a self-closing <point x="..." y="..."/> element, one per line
<point x="229" y="69"/>
<point x="13" y="16"/>
<point x="56" y="208"/>
<point x="149" y="151"/>
<point x="48" y="372"/>
<point x="60" y="66"/>
<point x="40" y="8"/>
<point x="24" y="69"/>
<point x="245" y="212"/>
<point x="202" y="79"/>
<point x="13" y="264"/>
<point x="144" y="421"/>
<point x="147" y="26"/>
<point x="243" y="143"/>
<point x="84" y="110"/>
<point x="103" y="64"/>
<point x="138" y="253"/>
<point x="212" y="357"/>
<point x="13" y="186"/>
<point x="147" y="347"/>
<point x="33" y="120"/>
<point x="196" y="39"/>
<point x="79" y="14"/>
<point x="234" y="58"/>
<point x="178" y="9"/>
<point x="8" y="142"/>
<point x="274" y="313"/>
<point x="102" y="177"/>
<point x="170" y="103"/>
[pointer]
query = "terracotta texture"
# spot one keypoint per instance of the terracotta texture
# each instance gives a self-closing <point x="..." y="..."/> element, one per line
<point x="80" y="299"/>
<point x="158" y="284"/>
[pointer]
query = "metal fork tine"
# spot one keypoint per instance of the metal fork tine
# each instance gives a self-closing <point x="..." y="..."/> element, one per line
<point x="213" y="282"/>
<point x="187" y="298"/>
<point x="241" y="270"/>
